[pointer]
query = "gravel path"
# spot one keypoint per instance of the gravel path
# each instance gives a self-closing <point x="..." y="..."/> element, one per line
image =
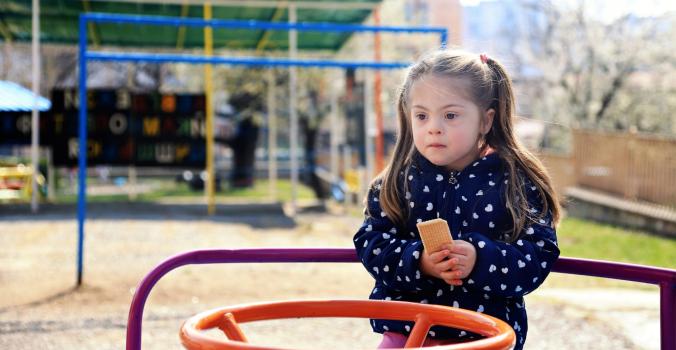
<point x="39" y="309"/>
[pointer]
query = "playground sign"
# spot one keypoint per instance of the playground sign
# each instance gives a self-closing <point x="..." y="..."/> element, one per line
<point x="126" y="128"/>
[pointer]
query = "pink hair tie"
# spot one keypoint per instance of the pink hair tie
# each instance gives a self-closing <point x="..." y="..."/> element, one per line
<point x="484" y="58"/>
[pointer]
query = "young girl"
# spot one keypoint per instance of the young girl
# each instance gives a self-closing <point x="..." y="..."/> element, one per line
<point x="457" y="158"/>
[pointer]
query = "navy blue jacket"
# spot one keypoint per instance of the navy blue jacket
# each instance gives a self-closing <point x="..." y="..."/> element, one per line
<point x="472" y="202"/>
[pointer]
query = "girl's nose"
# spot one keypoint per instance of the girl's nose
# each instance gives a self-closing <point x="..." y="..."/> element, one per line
<point x="434" y="127"/>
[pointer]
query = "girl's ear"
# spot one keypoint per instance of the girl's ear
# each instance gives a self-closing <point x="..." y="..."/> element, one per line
<point x="487" y="121"/>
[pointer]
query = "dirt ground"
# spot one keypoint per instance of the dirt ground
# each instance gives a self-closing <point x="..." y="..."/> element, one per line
<point x="41" y="309"/>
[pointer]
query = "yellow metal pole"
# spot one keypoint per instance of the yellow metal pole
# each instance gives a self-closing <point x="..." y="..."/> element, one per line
<point x="91" y="26"/>
<point x="180" y="37"/>
<point x="209" y="89"/>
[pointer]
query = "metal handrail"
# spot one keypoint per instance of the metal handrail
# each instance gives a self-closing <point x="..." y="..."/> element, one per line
<point x="664" y="278"/>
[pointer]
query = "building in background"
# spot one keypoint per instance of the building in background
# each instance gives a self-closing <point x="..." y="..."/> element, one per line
<point x="436" y="13"/>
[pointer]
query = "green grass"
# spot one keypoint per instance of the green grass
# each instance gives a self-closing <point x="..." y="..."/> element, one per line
<point x="261" y="189"/>
<point x="586" y="239"/>
<point x="169" y="189"/>
<point x="590" y="240"/>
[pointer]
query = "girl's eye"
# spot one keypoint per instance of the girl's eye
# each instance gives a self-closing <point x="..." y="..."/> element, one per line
<point x="450" y="115"/>
<point x="420" y="116"/>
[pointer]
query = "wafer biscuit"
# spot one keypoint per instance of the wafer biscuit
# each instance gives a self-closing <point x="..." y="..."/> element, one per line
<point x="434" y="233"/>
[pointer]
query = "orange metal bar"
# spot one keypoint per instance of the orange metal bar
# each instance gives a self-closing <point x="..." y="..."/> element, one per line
<point x="499" y="335"/>
<point x="419" y="331"/>
<point x="231" y="329"/>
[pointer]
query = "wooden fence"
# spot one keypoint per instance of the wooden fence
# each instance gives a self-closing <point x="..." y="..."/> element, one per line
<point x="634" y="167"/>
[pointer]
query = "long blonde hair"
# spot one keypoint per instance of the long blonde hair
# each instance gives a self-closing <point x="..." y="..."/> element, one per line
<point x="490" y="87"/>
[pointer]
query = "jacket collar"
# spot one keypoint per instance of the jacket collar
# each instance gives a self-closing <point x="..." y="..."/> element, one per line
<point x="486" y="164"/>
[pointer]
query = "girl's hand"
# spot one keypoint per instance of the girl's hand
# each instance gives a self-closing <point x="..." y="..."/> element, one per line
<point x="464" y="254"/>
<point x="437" y="263"/>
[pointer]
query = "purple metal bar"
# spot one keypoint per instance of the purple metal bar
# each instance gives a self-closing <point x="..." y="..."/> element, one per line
<point x="668" y="314"/>
<point x="218" y="256"/>
<point x="664" y="278"/>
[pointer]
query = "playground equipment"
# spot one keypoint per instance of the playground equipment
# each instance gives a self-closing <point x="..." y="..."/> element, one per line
<point x="20" y="182"/>
<point x="16" y="183"/>
<point x="499" y="334"/>
<point x="664" y="278"/>
<point x="292" y="62"/>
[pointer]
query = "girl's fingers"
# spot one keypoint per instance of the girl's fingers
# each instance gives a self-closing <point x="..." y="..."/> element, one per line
<point x="459" y="264"/>
<point x="448" y="264"/>
<point x="458" y="249"/>
<point x="439" y="256"/>
<point x="459" y="268"/>
<point x="462" y="259"/>
<point x="453" y="274"/>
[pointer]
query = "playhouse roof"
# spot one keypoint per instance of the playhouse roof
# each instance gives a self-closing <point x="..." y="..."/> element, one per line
<point x="15" y="98"/>
<point x="59" y="23"/>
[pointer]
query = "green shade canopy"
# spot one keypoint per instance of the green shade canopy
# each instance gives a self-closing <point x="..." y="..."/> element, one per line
<point x="59" y="23"/>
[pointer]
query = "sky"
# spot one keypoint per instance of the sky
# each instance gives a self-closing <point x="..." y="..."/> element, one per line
<point x="610" y="9"/>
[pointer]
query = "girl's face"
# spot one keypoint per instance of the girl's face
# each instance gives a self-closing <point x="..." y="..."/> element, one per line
<point x="447" y="125"/>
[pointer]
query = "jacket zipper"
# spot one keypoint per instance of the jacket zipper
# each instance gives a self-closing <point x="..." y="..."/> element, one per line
<point x="446" y="194"/>
<point x="451" y="199"/>
<point x="451" y="178"/>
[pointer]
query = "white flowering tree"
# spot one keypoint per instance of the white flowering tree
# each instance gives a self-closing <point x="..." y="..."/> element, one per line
<point x="613" y="74"/>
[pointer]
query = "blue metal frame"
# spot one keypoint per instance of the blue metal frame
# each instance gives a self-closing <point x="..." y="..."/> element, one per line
<point x="82" y="160"/>
<point x="86" y="55"/>
<point x="219" y="23"/>
<point x="240" y="61"/>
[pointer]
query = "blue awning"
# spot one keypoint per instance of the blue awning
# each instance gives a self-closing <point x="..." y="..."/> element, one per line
<point x="15" y="98"/>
